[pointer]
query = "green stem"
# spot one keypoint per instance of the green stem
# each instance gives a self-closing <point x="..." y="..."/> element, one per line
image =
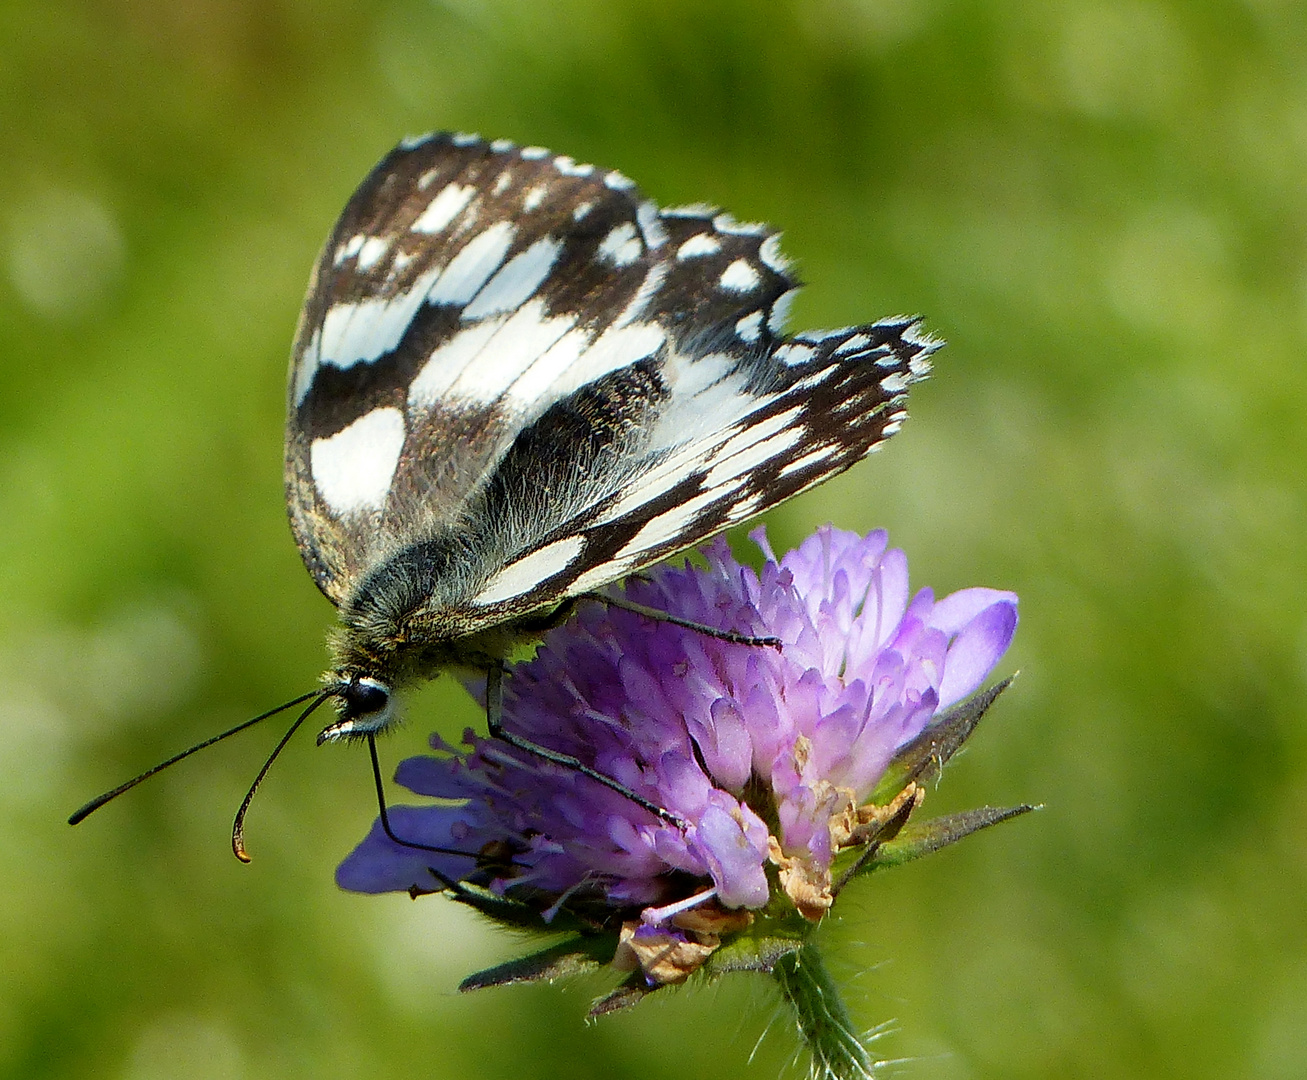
<point x="824" y="1023"/>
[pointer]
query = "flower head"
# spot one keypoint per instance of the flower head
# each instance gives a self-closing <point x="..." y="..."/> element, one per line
<point x="767" y="755"/>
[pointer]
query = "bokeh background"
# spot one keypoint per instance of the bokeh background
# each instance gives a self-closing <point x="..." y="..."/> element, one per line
<point x="1102" y="205"/>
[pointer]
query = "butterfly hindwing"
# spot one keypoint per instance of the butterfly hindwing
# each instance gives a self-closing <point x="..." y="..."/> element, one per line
<point x="369" y="430"/>
<point x="467" y="288"/>
<point x="516" y="380"/>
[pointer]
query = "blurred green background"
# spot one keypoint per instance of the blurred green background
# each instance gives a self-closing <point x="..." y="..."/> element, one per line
<point x="1102" y="206"/>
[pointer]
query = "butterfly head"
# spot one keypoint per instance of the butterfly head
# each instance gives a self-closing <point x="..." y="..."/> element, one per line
<point x="365" y="705"/>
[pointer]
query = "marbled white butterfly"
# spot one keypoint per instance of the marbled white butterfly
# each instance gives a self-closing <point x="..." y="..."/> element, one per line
<point x="515" y="380"/>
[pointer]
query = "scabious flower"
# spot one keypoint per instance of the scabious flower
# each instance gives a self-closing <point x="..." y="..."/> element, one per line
<point x="765" y="757"/>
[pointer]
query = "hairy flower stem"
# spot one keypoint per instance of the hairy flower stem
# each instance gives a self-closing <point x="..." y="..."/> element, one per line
<point x="824" y="1023"/>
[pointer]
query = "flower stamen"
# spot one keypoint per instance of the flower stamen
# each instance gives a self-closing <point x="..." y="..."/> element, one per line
<point x="656" y="916"/>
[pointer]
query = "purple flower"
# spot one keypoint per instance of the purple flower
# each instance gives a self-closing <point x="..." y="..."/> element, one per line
<point x="767" y="754"/>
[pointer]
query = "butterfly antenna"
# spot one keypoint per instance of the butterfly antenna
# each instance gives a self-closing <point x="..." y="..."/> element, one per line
<point x="95" y="804"/>
<point x="238" y="826"/>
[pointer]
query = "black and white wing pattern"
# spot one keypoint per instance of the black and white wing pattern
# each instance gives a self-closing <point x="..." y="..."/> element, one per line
<point x="515" y="380"/>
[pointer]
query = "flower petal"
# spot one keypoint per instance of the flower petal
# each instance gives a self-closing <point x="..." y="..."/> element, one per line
<point x="957" y="609"/>
<point x="977" y="648"/>
<point x="735" y="862"/>
<point x="690" y="722"/>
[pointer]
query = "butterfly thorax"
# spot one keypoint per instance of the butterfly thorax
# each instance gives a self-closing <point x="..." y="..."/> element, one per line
<point x="417" y="652"/>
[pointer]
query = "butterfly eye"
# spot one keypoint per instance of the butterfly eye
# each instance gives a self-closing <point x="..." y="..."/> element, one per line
<point x="363" y="697"/>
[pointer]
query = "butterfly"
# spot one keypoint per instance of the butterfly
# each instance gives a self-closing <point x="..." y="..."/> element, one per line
<point x="515" y="380"/>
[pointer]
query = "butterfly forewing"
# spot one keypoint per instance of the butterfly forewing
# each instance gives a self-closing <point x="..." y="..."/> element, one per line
<point x="516" y="380"/>
<point x="838" y="400"/>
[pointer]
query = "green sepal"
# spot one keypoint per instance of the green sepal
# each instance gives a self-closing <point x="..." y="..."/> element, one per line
<point x="510" y="912"/>
<point x="748" y="953"/>
<point x="570" y="957"/>
<point x="632" y="991"/>
<point x="917" y="839"/>
<point x="925" y="756"/>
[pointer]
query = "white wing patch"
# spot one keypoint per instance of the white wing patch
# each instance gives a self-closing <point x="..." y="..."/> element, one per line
<point x="367" y="329"/>
<point x="740" y="277"/>
<point x="655" y="232"/>
<point x="615" y="349"/>
<point x="708" y="397"/>
<point x="352" y="469"/>
<point x="725" y="223"/>
<point x="669" y="524"/>
<point x="536" y="360"/>
<point x="516" y="347"/>
<point x="748" y="433"/>
<point x="517" y="281"/>
<point x="743" y="461"/>
<point x="690" y="210"/>
<point x="746" y="508"/>
<point x="794" y="354"/>
<point x="533" y="388"/>
<point x="522" y="576"/>
<point x="348" y="249"/>
<point x="444" y="208"/>
<point x="621" y="246"/>
<point x="698" y="245"/>
<point x="815" y="379"/>
<point x="447" y="362"/>
<point x="568" y="167"/>
<point x="603" y="574"/>
<point x="471" y="268"/>
<point x="646" y="489"/>
<point x="361" y="332"/>
<point x="653" y="281"/>
<point x="750" y="327"/>
<point x="371" y="251"/>
<point x="810" y="458"/>
<point x="770" y="254"/>
<point x="780" y="311"/>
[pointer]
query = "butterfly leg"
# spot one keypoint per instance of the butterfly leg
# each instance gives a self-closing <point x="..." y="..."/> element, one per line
<point x="700" y="628"/>
<point x="538" y="624"/>
<point x="384" y="813"/>
<point x="494" y="721"/>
